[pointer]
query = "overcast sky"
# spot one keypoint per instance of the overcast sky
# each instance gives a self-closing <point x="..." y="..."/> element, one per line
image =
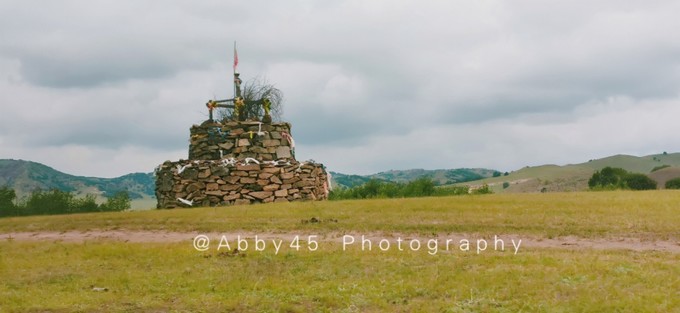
<point x="105" y="88"/>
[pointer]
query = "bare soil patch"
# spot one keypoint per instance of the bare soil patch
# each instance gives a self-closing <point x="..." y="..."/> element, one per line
<point x="569" y="242"/>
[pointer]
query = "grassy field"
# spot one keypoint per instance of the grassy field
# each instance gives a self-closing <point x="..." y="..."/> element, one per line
<point x="56" y="276"/>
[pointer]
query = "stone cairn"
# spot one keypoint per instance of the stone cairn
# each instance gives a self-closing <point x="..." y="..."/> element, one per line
<point x="239" y="162"/>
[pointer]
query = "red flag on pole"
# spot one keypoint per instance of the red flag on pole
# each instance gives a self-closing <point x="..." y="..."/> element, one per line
<point x="235" y="58"/>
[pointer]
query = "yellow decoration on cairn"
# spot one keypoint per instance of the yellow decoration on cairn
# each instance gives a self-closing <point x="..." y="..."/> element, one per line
<point x="267" y="105"/>
<point x="238" y="107"/>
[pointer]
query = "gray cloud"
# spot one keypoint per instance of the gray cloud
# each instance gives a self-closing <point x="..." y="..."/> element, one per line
<point x="369" y="86"/>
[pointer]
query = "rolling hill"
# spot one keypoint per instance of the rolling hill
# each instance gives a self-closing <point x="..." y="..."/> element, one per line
<point x="574" y="177"/>
<point x="663" y="175"/>
<point x="26" y="176"/>
<point x="441" y="176"/>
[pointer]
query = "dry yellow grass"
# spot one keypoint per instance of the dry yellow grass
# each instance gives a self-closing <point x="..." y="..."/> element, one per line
<point x="59" y="276"/>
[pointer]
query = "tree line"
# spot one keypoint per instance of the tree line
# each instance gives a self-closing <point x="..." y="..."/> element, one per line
<point x="611" y="178"/>
<point x="421" y="187"/>
<point x="56" y="201"/>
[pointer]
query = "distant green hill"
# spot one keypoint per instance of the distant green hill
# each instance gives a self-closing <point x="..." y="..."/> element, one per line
<point x="345" y="180"/>
<point x="440" y="177"/>
<point x="573" y="177"/>
<point x="26" y="176"/>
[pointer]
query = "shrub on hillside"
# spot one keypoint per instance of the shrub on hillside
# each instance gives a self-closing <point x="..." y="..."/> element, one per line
<point x="85" y="204"/>
<point x="610" y="178"/>
<point x="660" y="167"/>
<point x="119" y="202"/>
<point x="639" y="182"/>
<point x="673" y="183"/>
<point x="7" y="197"/>
<point x="421" y="187"/>
<point x="49" y="202"/>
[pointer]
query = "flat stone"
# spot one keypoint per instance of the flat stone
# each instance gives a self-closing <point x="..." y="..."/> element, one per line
<point x="244" y="142"/>
<point x="258" y="150"/>
<point x="249" y="167"/>
<point x="291" y="181"/>
<point x="271" y="170"/>
<point x="231" y="197"/>
<point x="287" y="175"/>
<point x="212" y="186"/>
<point x="281" y="193"/>
<point x="303" y="184"/>
<point x="248" y="180"/>
<point x="226" y="145"/>
<point x="283" y="152"/>
<point x="275" y="180"/>
<point x="189" y="173"/>
<point x="204" y="174"/>
<point x="219" y="171"/>
<point x="232" y="179"/>
<point x="230" y="187"/>
<point x="215" y="193"/>
<point x="271" y="187"/>
<point x="261" y="194"/>
<point x="271" y="143"/>
<point x="265" y="175"/>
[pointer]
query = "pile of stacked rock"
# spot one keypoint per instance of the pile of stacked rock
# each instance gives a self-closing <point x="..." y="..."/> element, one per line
<point x="239" y="162"/>
<point x="214" y="141"/>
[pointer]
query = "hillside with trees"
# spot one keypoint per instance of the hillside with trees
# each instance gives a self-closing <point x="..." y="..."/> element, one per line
<point x="575" y="177"/>
<point x="25" y="177"/>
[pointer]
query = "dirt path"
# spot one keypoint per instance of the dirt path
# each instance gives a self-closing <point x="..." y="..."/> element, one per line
<point x="569" y="242"/>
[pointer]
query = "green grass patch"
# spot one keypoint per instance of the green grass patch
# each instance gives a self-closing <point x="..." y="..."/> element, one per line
<point x="49" y="276"/>
<point x="645" y="214"/>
